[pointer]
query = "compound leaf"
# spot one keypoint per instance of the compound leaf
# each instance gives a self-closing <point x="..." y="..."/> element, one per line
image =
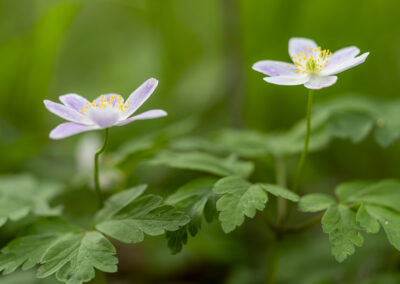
<point x="240" y="198"/>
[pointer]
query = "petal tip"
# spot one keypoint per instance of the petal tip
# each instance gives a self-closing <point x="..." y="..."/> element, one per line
<point x="152" y="82"/>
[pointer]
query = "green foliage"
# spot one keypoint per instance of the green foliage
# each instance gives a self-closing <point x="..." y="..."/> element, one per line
<point x="127" y="217"/>
<point x="315" y="202"/>
<point x="74" y="257"/>
<point x="280" y="191"/>
<point x="241" y="198"/>
<point x="195" y="199"/>
<point x="204" y="162"/>
<point x="60" y="248"/>
<point x="364" y="206"/>
<point x="340" y="223"/>
<point x="23" y="194"/>
<point x="29" y="249"/>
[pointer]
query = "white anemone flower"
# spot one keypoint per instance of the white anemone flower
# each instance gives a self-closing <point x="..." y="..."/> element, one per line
<point x="104" y="112"/>
<point x="312" y="66"/>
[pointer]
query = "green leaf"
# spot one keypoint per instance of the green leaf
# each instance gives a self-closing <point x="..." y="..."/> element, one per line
<point x="385" y="193"/>
<point x="366" y="221"/>
<point x="346" y="191"/>
<point x="127" y="218"/>
<point x="340" y="223"/>
<point x="204" y="162"/>
<point x="192" y="199"/>
<point x="22" y="194"/>
<point x="75" y="256"/>
<point x="118" y="201"/>
<point x="387" y="123"/>
<point x="280" y="191"/>
<point x="389" y="220"/>
<point x="240" y="198"/>
<point x="292" y="141"/>
<point x="353" y="125"/>
<point x="315" y="202"/>
<point x="245" y="143"/>
<point x="29" y="249"/>
<point x="197" y="144"/>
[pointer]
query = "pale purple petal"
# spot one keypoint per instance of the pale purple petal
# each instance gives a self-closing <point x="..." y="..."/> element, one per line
<point x="319" y="82"/>
<point x="298" y="45"/>
<point x="155" y="113"/>
<point x="274" y="68"/>
<point x="335" y="69"/>
<point x="68" y="129"/>
<point x="342" y="55"/>
<point x="104" y="117"/>
<point x="288" y="80"/>
<point x="74" y="101"/>
<point x="139" y="96"/>
<point x="64" y="112"/>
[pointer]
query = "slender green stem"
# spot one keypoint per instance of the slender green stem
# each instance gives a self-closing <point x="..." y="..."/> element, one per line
<point x="280" y="171"/>
<point x="306" y="141"/>
<point x="307" y="224"/>
<point x="96" y="169"/>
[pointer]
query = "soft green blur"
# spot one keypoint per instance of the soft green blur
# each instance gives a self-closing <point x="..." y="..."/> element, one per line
<point x="201" y="52"/>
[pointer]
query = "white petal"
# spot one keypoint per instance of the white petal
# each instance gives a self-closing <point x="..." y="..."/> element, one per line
<point x="139" y="96"/>
<point x="274" y="68"/>
<point x="68" y="129"/>
<point x="64" y="111"/>
<point x="335" y="69"/>
<point x="104" y="117"/>
<point x="155" y="113"/>
<point x="288" y="80"/>
<point x="298" y="45"/>
<point x="74" y="101"/>
<point x="319" y="82"/>
<point x="342" y="55"/>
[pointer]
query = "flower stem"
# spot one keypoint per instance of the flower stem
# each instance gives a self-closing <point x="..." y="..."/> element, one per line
<point x="96" y="169"/>
<point x="306" y="141"/>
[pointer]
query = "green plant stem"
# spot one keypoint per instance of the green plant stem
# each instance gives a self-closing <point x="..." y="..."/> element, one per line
<point x="307" y="224"/>
<point x="273" y="263"/>
<point x="306" y="142"/>
<point x="96" y="169"/>
<point x="280" y="170"/>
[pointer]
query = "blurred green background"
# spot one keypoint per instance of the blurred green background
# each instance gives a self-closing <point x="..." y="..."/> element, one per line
<point x="202" y="53"/>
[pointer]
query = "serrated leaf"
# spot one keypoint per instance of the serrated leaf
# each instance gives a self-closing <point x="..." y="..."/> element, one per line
<point x="385" y="193"/>
<point x="21" y="194"/>
<point x="240" y="198"/>
<point x="340" y="223"/>
<point x="347" y="190"/>
<point x="280" y="191"/>
<point x="315" y="202"/>
<point x="75" y="256"/>
<point x="29" y="249"/>
<point x="389" y="220"/>
<point x="366" y="221"/>
<point x="119" y="201"/>
<point x="192" y="199"/>
<point x="129" y="221"/>
<point x="350" y="124"/>
<point x="204" y="162"/>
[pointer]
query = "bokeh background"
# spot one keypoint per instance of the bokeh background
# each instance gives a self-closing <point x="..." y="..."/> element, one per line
<point x="202" y="53"/>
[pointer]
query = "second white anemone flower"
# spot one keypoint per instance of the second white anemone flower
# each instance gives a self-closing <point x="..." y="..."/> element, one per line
<point x="312" y="66"/>
<point x="104" y="112"/>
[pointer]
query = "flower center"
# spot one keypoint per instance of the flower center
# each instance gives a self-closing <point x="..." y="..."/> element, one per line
<point x="311" y="61"/>
<point x="111" y="101"/>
